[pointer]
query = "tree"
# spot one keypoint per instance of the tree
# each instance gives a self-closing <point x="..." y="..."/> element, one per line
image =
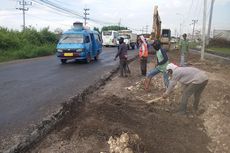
<point x="113" y="27"/>
<point x="96" y="29"/>
<point x="58" y="31"/>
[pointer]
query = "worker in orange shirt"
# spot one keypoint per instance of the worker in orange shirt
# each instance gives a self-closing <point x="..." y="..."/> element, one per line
<point x="143" y="54"/>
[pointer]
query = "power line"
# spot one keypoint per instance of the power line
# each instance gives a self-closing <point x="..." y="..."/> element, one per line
<point x="62" y="8"/>
<point x="66" y="11"/>
<point x="51" y="9"/>
<point x="58" y="8"/>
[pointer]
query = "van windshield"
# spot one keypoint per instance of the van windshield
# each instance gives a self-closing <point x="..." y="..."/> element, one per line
<point x="107" y="33"/>
<point x="71" y="39"/>
<point x="124" y="36"/>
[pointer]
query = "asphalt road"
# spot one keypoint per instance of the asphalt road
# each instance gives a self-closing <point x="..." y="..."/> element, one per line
<point x="32" y="89"/>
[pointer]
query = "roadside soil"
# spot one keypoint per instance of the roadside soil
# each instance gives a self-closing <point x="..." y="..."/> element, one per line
<point x="122" y="106"/>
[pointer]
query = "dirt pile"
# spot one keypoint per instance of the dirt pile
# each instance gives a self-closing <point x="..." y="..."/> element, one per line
<point x="126" y="143"/>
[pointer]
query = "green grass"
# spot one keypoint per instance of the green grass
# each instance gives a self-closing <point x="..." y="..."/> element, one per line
<point x="28" y="43"/>
<point x="193" y="44"/>
<point x="28" y="51"/>
<point x="220" y="50"/>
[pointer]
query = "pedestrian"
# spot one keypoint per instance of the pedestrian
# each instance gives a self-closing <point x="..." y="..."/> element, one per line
<point x="193" y="82"/>
<point x="184" y="52"/>
<point x="162" y="62"/>
<point x="123" y="55"/>
<point x="143" y="55"/>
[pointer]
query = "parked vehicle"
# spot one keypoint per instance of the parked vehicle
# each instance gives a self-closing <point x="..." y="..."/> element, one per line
<point x="109" y="38"/>
<point x="79" y="43"/>
<point x="126" y="39"/>
<point x="129" y="38"/>
<point x="166" y="38"/>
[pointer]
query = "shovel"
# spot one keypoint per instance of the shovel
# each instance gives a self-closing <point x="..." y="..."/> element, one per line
<point x="154" y="100"/>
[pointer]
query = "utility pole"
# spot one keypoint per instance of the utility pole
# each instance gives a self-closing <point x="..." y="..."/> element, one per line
<point x="119" y="24"/>
<point x="146" y="28"/>
<point x="142" y="30"/>
<point x="203" y="30"/>
<point x="85" y="14"/>
<point x="210" y="21"/>
<point x="24" y="3"/>
<point x="193" y="29"/>
<point x="175" y="32"/>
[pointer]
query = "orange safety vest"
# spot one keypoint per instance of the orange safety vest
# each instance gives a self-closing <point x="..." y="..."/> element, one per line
<point x="145" y="50"/>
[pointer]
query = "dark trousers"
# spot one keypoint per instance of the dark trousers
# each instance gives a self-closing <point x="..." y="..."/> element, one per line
<point x="123" y="67"/>
<point x="143" y="64"/>
<point x="189" y="90"/>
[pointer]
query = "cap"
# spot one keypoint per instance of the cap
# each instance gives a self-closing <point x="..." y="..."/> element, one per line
<point x="142" y="39"/>
<point x="171" y="66"/>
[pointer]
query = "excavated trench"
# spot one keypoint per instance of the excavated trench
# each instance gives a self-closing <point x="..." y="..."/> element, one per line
<point x="65" y="112"/>
<point x="111" y="116"/>
<point x="118" y="118"/>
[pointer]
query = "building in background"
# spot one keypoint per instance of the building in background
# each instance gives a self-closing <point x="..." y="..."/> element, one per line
<point x="221" y="34"/>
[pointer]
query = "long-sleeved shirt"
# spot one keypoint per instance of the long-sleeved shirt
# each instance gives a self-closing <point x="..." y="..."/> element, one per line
<point x="184" y="44"/>
<point x="122" y="51"/>
<point x="186" y="75"/>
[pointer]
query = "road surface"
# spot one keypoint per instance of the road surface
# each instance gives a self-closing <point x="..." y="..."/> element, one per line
<point x="32" y="89"/>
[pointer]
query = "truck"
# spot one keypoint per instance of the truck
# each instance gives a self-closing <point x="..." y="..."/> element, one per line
<point x="166" y="38"/>
<point x="129" y="38"/>
<point x="79" y="43"/>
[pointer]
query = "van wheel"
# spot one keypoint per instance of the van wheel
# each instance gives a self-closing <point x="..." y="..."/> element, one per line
<point x="88" y="59"/>
<point x="63" y="61"/>
<point x="96" y="57"/>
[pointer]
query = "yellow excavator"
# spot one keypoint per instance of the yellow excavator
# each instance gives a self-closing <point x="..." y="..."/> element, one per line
<point x="163" y="35"/>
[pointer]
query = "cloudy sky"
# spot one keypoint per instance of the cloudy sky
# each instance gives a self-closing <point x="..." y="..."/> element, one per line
<point x="136" y="14"/>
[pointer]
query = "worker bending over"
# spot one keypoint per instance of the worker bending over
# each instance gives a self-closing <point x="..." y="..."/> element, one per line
<point x="193" y="81"/>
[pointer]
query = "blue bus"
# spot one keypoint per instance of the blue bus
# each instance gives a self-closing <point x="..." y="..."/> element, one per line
<point x="79" y="43"/>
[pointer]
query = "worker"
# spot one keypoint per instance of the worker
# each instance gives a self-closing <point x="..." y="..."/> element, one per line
<point x="162" y="62"/>
<point x="143" y="54"/>
<point x="193" y="81"/>
<point x="123" y="56"/>
<point x="184" y="52"/>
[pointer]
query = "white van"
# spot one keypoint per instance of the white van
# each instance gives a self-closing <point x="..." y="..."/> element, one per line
<point x="109" y="38"/>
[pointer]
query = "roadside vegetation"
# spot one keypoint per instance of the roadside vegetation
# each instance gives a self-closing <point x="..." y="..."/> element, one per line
<point x="216" y="46"/>
<point x="219" y="46"/>
<point x="26" y="44"/>
<point x="113" y="27"/>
